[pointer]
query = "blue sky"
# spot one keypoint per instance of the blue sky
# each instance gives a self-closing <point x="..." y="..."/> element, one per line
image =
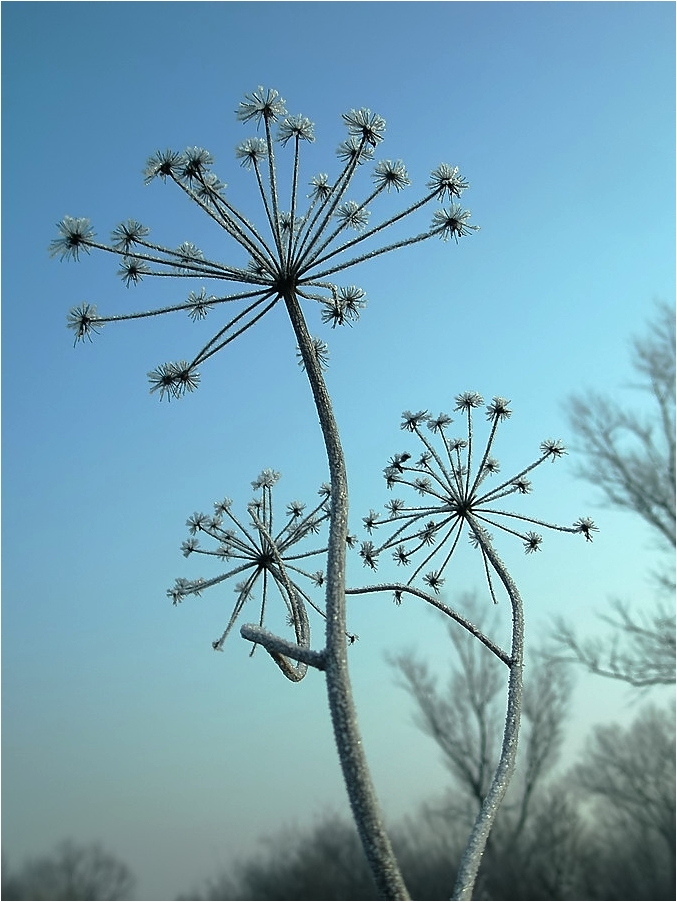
<point x="119" y="722"/>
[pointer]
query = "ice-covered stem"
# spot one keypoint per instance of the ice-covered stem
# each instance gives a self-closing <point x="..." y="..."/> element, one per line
<point x="281" y="649"/>
<point x="361" y="793"/>
<point x="477" y="841"/>
<point x="400" y="588"/>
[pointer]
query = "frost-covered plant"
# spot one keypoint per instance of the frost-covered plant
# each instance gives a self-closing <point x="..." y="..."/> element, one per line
<point x="297" y="255"/>
<point x="290" y="255"/>
<point x="456" y="493"/>
<point x="262" y="555"/>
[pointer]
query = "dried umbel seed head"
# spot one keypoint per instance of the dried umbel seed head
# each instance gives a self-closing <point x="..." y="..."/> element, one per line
<point x="455" y="491"/>
<point x="266" y="558"/>
<point x="297" y="245"/>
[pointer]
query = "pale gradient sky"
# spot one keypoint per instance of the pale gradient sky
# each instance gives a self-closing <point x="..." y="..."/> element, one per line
<point x="119" y="722"/>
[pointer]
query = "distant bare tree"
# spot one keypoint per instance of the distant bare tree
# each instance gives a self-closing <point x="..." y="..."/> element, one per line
<point x="630" y="772"/>
<point x="627" y="776"/>
<point x="604" y="831"/>
<point x="72" y="872"/>
<point x="462" y="720"/>
<point x="549" y="858"/>
<point x="546" y="704"/>
<point x="324" y="861"/>
<point x="640" y="649"/>
<point x="465" y="718"/>
<point x="631" y="459"/>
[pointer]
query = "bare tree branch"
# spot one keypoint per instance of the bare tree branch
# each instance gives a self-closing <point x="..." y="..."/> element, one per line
<point x="630" y="458"/>
<point x="630" y="773"/>
<point x="640" y="651"/>
<point x="465" y="719"/>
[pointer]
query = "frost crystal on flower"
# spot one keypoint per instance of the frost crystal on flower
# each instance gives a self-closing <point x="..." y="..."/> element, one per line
<point x="586" y="527"/>
<point x="468" y="399"/>
<point x="320" y="349"/>
<point x="321" y="189"/>
<point x="352" y="150"/>
<point x="411" y="421"/>
<point x="553" y="448"/>
<point x="125" y="236"/>
<point x="391" y="175"/>
<point x="295" y="127"/>
<point x="163" y="164"/>
<point x="132" y="271"/>
<point x="369" y="555"/>
<point x="188" y="254"/>
<point x="447" y="181"/>
<point x="532" y="542"/>
<point x="199" y="305"/>
<point x="498" y="409"/>
<point x="74" y="235"/>
<point x="208" y="188"/>
<point x="365" y="125"/>
<point x="353" y="215"/>
<point x="173" y="379"/>
<point x="370" y="522"/>
<point x="189" y="546"/>
<point x="266" y="478"/>
<point x="434" y="580"/>
<point x="83" y="320"/>
<point x="452" y="481"/>
<point x="452" y="223"/>
<point x="262" y="104"/>
<point x="251" y="152"/>
<point x="194" y="163"/>
<point x="294" y="248"/>
<point x="344" y="306"/>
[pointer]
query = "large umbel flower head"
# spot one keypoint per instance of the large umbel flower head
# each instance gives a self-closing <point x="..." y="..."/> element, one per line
<point x="456" y="493"/>
<point x="298" y="245"/>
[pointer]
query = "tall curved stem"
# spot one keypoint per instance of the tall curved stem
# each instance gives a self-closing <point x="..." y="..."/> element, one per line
<point x="477" y="841"/>
<point x="361" y="793"/>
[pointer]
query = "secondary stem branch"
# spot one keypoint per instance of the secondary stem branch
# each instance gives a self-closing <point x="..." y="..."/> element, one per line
<point x="477" y="841"/>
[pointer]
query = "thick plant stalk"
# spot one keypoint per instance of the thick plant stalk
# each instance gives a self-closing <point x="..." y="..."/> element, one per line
<point x="477" y="841"/>
<point x="356" y="774"/>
